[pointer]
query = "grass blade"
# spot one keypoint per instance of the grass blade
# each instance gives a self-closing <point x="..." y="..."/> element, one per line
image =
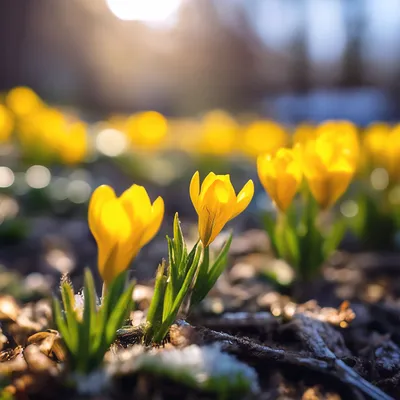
<point x="163" y="330"/>
<point x="203" y="286"/>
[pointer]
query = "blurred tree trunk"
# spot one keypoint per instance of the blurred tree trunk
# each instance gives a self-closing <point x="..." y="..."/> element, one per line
<point x="13" y="34"/>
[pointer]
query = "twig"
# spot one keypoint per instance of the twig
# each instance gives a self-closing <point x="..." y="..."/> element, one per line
<point x="332" y="367"/>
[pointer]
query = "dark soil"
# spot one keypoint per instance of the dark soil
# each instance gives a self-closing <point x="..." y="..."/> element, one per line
<point x="337" y="337"/>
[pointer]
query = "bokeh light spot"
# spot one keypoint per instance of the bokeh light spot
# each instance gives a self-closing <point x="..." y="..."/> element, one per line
<point x="58" y="188"/>
<point x="144" y="10"/>
<point x="379" y="179"/>
<point x="6" y="177"/>
<point x="111" y="142"/>
<point x="78" y="191"/>
<point x="349" y="208"/>
<point x="38" y="176"/>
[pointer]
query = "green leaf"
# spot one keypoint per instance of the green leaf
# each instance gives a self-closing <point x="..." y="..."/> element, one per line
<point x="163" y="330"/>
<point x="219" y="264"/>
<point x="208" y="280"/>
<point x="201" y="278"/>
<point x="334" y="238"/>
<point x="292" y="244"/>
<point x="61" y="325"/>
<point x="109" y="301"/>
<point x="88" y="325"/>
<point x="90" y="299"/>
<point x="179" y="241"/>
<point x="171" y="254"/>
<point x="114" y="292"/>
<point x="270" y="224"/>
<point x="155" y="312"/>
<point x="173" y="271"/>
<point x="279" y="240"/>
<point x="119" y="314"/>
<point x="68" y="297"/>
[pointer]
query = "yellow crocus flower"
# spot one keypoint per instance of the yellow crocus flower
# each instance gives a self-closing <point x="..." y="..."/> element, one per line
<point x="23" y="101"/>
<point x="304" y="132"/>
<point x="73" y="144"/>
<point x="280" y="175"/>
<point x="263" y="137"/>
<point x="345" y="134"/>
<point x="328" y="168"/>
<point x="216" y="203"/>
<point x="392" y="154"/>
<point x="147" y="130"/>
<point x="219" y="133"/>
<point x="122" y="226"/>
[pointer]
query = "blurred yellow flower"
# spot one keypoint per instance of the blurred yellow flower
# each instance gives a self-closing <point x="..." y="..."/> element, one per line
<point x="50" y="133"/>
<point x="23" y="101"/>
<point x="328" y="168"/>
<point x="303" y="133"/>
<point x="72" y="147"/>
<point x="281" y="176"/>
<point x="6" y="124"/>
<point x="216" y="203"/>
<point x="147" y="130"/>
<point x="263" y="137"/>
<point x="219" y="133"/>
<point x="345" y="134"/>
<point x="392" y="154"/>
<point x="122" y="226"/>
<point x="184" y="135"/>
<point x="381" y="147"/>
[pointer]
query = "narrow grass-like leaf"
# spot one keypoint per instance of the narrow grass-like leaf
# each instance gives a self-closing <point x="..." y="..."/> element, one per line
<point x="90" y="299"/>
<point x="61" y="324"/>
<point x="114" y="292"/>
<point x="220" y="263"/>
<point x="173" y="272"/>
<point x="155" y="312"/>
<point x="270" y="224"/>
<point x="185" y="266"/>
<point x="68" y="298"/>
<point x="171" y="253"/>
<point x="179" y="241"/>
<point x="334" y="238"/>
<point x="169" y="296"/>
<point x="163" y="330"/>
<point x="119" y="314"/>
<point x="202" y="273"/>
<point x="159" y="289"/>
<point x="87" y="325"/>
<point x="109" y="300"/>
<point x="291" y="244"/>
<point x="203" y="286"/>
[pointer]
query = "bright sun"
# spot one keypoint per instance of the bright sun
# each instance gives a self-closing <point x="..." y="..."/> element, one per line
<point x="152" y="11"/>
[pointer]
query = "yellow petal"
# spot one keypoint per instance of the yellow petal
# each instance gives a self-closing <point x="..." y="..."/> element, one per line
<point x="286" y="191"/>
<point x="195" y="189"/>
<point x="137" y="205"/>
<point x="100" y="196"/>
<point x="115" y="230"/>
<point x="281" y="175"/>
<point x="157" y="215"/>
<point x="208" y="180"/>
<point x="339" y="183"/>
<point x="244" y="198"/>
<point x="215" y="211"/>
<point x="327" y="191"/>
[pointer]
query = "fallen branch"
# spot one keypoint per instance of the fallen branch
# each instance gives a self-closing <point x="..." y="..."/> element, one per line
<point x="330" y="365"/>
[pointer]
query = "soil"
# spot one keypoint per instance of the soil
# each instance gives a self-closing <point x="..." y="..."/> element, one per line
<point x="337" y="337"/>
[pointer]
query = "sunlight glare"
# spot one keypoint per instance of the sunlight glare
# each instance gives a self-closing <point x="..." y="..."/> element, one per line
<point x="151" y="11"/>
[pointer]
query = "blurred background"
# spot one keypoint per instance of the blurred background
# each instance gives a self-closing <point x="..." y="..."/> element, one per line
<point x="287" y="59"/>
